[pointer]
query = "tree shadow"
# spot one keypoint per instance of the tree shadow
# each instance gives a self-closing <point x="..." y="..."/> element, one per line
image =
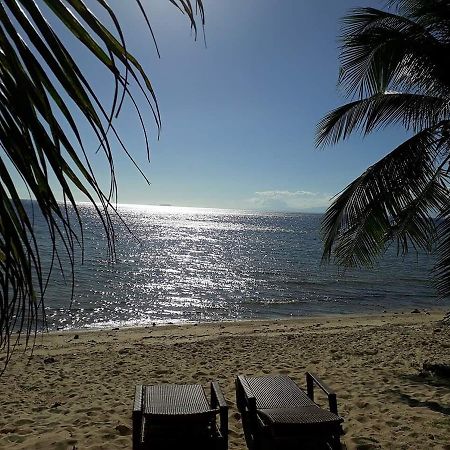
<point x="428" y="379"/>
<point x="414" y="403"/>
<point x="424" y="378"/>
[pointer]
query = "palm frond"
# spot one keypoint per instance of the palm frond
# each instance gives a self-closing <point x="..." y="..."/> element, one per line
<point x="414" y="226"/>
<point x="413" y="111"/>
<point x="395" y="63"/>
<point x="41" y="138"/>
<point x="441" y="270"/>
<point x="382" y="51"/>
<point x="375" y="207"/>
<point x="432" y="14"/>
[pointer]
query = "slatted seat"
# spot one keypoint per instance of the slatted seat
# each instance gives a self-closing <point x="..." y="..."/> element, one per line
<point x="275" y="409"/>
<point x="307" y="415"/>
<point x="277" y="391"/>
<point x="176" y="416"/>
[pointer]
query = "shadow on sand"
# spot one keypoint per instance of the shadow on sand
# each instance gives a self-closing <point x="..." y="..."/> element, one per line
<point x="429" y="380"/>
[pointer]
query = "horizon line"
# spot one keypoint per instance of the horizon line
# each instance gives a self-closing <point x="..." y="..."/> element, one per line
<point x="168" y="205"/>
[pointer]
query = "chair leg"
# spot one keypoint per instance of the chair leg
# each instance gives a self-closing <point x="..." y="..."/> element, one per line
<point x="336" y="443"/>
<point x="137" y="418"/>
<point x="137" y="430"/>
<point x="248" y="431"/>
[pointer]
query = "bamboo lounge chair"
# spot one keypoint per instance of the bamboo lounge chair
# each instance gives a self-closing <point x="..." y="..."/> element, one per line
<point x="277" y="414"/>
<point x="179" y="416"/>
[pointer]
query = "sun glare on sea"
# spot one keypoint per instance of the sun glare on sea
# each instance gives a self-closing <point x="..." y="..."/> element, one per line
<point x="175" y="210"/>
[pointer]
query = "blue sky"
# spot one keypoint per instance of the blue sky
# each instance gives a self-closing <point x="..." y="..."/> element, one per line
<point x="239" y="116"/>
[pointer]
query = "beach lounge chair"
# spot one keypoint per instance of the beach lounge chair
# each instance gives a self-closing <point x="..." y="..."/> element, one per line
<point x="278" y="414"/>
<point x="179" y="416"/>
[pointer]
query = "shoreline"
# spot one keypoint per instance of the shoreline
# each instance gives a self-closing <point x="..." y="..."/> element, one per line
<point x="77" y="392"/>
<point x="390" y="312"/>
<point x="338" y="315"/>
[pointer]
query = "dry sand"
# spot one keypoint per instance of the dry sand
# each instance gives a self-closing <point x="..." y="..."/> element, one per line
<point x="77" y="393"/>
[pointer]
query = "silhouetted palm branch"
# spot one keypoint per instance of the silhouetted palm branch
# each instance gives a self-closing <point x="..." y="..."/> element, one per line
<point x="395" y="63"/>
<point x="43" y="93"/>
<point x="415" y="112"/>
<point x="442" y="268"/>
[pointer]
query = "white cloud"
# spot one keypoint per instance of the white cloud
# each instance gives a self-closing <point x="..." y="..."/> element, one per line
<point x="290" y="200"/>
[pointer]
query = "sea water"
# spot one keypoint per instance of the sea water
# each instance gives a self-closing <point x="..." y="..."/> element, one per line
<point x="178" y="264"/>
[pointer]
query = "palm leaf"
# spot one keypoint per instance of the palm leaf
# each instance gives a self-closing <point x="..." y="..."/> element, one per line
<point x="395" y="63"/>
<point x="38" y="75"/>
<point x="413" y="111"/>
<point x="378" y="205"/>
<point x="382" y="51"/>
<point x="432" y="14"/>
<point x="442" y="268"/>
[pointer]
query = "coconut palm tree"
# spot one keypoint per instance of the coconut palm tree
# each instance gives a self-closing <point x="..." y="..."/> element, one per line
<point x="45" y="95"/>
<point x="395" y="70"/>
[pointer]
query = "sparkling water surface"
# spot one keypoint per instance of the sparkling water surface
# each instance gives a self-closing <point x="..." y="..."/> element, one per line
<point x="192" y="265"/>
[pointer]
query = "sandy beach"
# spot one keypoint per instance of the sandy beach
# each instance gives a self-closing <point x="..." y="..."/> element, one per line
<point x="76" y="391"/>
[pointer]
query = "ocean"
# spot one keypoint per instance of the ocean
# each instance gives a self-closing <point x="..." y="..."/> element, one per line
<point x="181" y="264"/>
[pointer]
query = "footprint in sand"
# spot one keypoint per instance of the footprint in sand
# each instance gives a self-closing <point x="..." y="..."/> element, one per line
<point x="392" y="423"/>
<point x="361" y="418"/>
<point x="123" y="430"/>
<point x="21" y="422"/>
<point x="364" y="443"/>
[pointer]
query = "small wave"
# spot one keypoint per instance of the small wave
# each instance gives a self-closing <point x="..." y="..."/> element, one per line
<point x="274" y="301"/>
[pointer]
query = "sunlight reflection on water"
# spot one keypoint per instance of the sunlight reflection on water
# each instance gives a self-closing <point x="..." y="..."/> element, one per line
<point x="198" y="264"/>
